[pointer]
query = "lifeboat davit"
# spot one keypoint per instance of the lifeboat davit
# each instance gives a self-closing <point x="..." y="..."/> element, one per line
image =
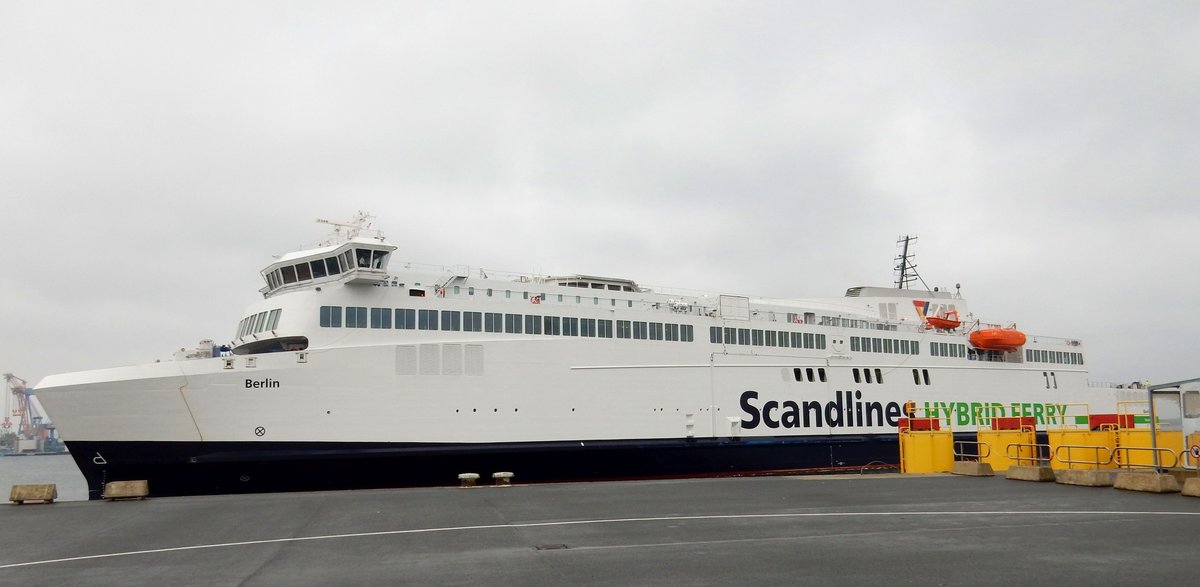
<point x="949" y="321"/>
<point x="997" y="339"/>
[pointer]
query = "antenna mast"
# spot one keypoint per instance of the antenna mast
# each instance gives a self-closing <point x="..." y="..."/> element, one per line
<point x="906" y="270"/>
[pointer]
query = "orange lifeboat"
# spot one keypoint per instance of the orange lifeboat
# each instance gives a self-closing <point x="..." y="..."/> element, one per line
<point x="948" y="321"/>
<point x="997" y="339"/>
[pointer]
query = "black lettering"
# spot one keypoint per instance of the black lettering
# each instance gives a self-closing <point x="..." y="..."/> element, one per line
<point x="812" y="408"/>
<point x="893" y="414"/>
<point x="747" y="407"/>
<point x="766" y="414"/>
<point x="791" y="415"/>
<point x="877" y="409"/>
<point x="858" y="408"/>
<point x="833" y="409"/>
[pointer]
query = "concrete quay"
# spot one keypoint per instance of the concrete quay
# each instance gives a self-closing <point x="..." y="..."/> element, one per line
<point x="818" y="530"/>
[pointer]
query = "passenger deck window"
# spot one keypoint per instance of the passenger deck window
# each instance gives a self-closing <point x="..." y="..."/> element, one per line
<point x="624" y="329"/>
<point x="451" y="320"/>
<point x="427" y="320"/>
<point x="406" y="318"/>
<point x="331" y="316"/>
<point x="381" y="317"/>
<point x="356" y="317"/>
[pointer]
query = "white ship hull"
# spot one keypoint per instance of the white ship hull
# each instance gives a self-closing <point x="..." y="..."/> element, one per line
<point x="379" y="407"/>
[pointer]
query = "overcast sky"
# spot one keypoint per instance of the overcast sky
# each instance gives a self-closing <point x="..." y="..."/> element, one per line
<point x="155" y="155"/>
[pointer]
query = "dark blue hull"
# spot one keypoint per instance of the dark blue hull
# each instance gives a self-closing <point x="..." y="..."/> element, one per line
<point x="199" y="468"/>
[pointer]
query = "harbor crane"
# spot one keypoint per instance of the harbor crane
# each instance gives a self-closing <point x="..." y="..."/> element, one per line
<point x="32" y="430"/>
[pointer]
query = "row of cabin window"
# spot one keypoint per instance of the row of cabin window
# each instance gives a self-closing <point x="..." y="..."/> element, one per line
<point x="885" y="345"/>
<point x="866" y="374"/>
<point x="944" y="349"/>
<point x="838" y="321"/>
<point x="336" y="265"/>
<point x="1060" y="357"/>
<point x="754" y="337"/>
<point x="542" y="297"/>
<point x="258" y="323"/>
<point x="871" y="375"/>
<point x="800" y="374"/>
<point x="454" y="320"/>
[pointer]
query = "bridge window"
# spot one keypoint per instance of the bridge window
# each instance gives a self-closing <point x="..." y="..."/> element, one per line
<point x="318" y="268"/>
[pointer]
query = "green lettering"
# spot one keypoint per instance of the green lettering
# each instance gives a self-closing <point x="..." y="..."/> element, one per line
<point x="964" y="415"/>
<point x="977" y="414"/>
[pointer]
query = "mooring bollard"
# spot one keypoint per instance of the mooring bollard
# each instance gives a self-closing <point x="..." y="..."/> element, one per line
<point x="467" y="479"/>
<point x="502" y="478"/>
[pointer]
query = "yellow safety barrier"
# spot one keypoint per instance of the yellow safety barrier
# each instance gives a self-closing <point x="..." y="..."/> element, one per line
<point x="1104" y="439"/>
<point x="1028" y="454"/>
<point x="1139" y="457"/>
<point x="1138" y="441"/>
<point x="1001" y="461"/>
<point x="981" y="452"/>
<point x="927" y="450"/>
<point x="998" y="431"/>
<point x="1101" y="457"/>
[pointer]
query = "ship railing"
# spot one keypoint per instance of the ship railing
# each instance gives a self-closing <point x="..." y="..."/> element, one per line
<point x="467" y="270"/>
<point x="1058" y="340"/>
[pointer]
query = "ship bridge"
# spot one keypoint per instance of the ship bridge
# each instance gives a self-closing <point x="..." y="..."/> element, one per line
<point x="359" y="260"/>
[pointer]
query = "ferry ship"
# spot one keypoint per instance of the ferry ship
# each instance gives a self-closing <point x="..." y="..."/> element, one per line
<point x="357" y="371"/>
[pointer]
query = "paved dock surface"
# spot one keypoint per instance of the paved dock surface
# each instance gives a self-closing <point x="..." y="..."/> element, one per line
<point x="831" y="530"/>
